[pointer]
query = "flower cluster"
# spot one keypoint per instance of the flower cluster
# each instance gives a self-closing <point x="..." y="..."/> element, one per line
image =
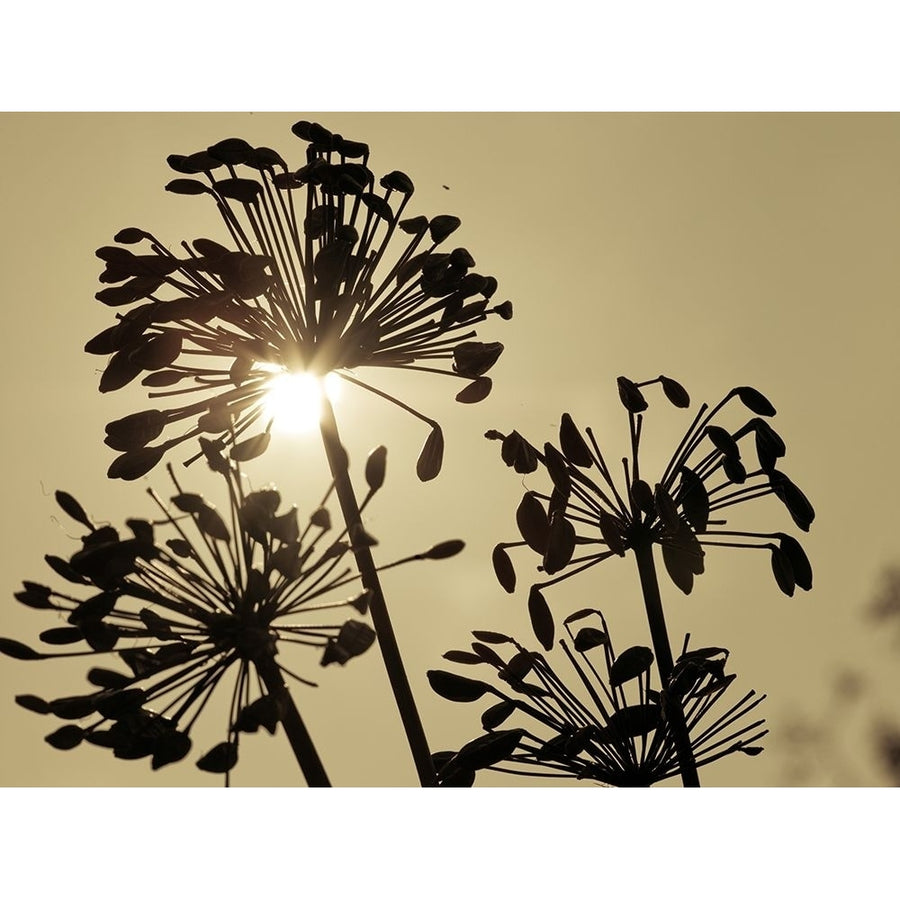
<point x="182" y="601"/>
<point x="313" y="282"/>
<point x="584" y="521"/>
<point x="615" y="740"/>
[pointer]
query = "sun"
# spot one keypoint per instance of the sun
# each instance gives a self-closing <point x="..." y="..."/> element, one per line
<point x="294" y="400"/>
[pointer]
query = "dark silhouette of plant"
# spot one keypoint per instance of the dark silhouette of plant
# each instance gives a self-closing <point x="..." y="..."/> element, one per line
<point x="584" y="522"/>
<point x="314" y="287"/>
<point x="620" y="741"/>
<point x="335" y="283"/>
<point x="195" y="595"/>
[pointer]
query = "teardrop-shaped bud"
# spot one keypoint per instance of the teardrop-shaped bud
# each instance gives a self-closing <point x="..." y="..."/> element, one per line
<point x="157" y="352"/>
<point x="642" y="494"/>
<point x="445" y="549"/>
<point x="754" y="401"/>
<point x="463" y="657"/>
<point x="130" y="236"/>
<point x="474" y="358"/>
<point x="108" y="678"/>
<point x="186" y="186"/>
<point x="170" y="747"/>
<point x="541" y="618"/>
<point x="666" y="509"/>
<point x="33" y="704"/>
<point x="794" y="499"/>
<point x="560" y="543"/>
<point x="782" y="570"/>
<point x="486" y="654"/>
<point x="494" y="716"/>
<point x="630" y="395"/>
<point x="630" y="663"/>
<point x="489" y="749"/>
<point x="63" y="635"/>
<point x="694" y="500"/>
<point x="587" y="638"/>
<point x="353" y="639"/>
<point x="397" y="181"/>
<point x="492" y="637"/>
<point x="679" y="566"/>
<point x="212" y="524"/>
<point x="573" y="445"/>
<point x="799" y="561"/>
<point x="65" y="738"/>
<point x="135" y="464"/>
<point x="503" y="569"/>
<point x="534" y="526"/>
<point x="251" y="448"/>
<point x="557" y="469"/>
<point x="119" y="371"/>
<point x="431" y="457"/>
<point x="723" y="441"/>
<point x="222" y="758"/>
<point x="136" y="430"/>
<point x="476" y="391"/>
<point x="518" y="453"/>
<point x="441" y="227"/>
<point x="35" y="596"/>
<point x="73" y="508"/>
<point x="734" y="470"/>
<point x="676" y="394"/>
<point x="612" y="532"/>
<point x="376" y="463"/>
<point x="455" y="687"/>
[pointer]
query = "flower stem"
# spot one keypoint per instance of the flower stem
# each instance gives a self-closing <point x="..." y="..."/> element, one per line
<point x="297" y="735"/>
<point x="390" y="652"/>
<point x="653" y="604"/>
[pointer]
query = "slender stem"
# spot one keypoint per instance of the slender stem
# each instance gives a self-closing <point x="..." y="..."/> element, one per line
<point x="299" y="738"/>
<point x="643" y="552"/>
<point x="390" y="652"/>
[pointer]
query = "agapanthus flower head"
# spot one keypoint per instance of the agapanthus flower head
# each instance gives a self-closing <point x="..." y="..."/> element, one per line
<point x="324" y="273"/>
<point x="610" y="726"/>
<point x="585" y="520"/>
<point x="193" y="600"/>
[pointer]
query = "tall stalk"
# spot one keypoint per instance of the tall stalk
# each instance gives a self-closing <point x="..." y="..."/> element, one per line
<point x="643" y="552"/>
<point x="390" y="652"/>
<point x="294" y="727"/>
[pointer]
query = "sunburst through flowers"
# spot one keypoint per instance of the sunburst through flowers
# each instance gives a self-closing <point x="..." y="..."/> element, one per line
<point x="620" y="738"/>
<point x="324" y="274"/>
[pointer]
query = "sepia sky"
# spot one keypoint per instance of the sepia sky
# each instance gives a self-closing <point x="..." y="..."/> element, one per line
<point x="718" y="249"/>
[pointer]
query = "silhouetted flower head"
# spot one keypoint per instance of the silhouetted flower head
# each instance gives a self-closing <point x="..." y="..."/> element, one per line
<point x="187" y="599"/>
<point x="583" y="521"/>
<point x="619" y="737"/>
<point x="323" y="273"/>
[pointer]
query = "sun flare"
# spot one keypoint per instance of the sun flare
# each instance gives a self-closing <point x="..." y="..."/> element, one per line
<point x="294" y="400"/>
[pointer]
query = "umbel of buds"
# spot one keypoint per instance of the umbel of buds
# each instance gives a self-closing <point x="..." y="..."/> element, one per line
<point x="592" y="512"/>
<point x="621" y="738"/>
<point x="323" y="272"/>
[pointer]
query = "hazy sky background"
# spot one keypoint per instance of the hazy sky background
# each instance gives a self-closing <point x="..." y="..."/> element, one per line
<point x="718" y="249"/>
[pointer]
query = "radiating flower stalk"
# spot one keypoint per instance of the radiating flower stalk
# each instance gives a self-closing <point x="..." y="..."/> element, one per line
<point x="584" y="522"/>
<point x="623" y="737"/>
<point x="188" y="598"/>
<point x="323" y="285"/>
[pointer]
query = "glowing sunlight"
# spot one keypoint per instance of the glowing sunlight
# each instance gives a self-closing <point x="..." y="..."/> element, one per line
<point x="293" y="400"/>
